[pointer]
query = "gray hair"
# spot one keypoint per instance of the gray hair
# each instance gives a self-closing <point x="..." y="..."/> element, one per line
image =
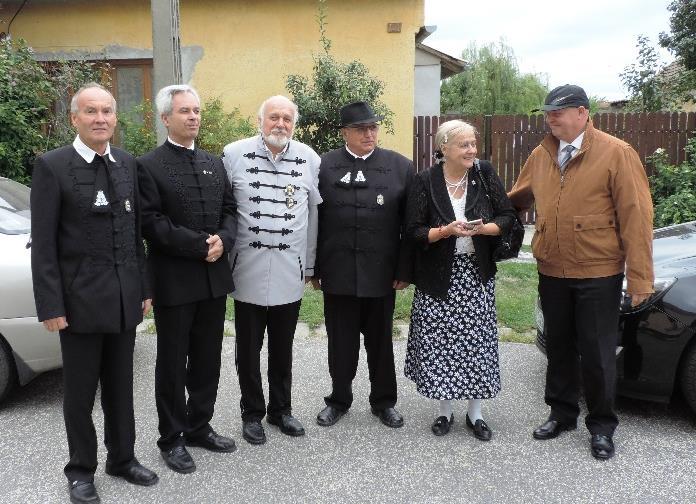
<point x="74" y="108"/>
<point x="262" y="108"/>
<point x="164" y="98"/>
<point x="451" y="129"/>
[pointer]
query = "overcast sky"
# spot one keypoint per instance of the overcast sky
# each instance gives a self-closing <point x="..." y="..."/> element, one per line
<point x="589" y="43"/>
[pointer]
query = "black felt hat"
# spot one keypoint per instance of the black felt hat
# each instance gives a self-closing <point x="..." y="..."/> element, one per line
<point x="565" y="96"/>
<point x="358" y="113"/>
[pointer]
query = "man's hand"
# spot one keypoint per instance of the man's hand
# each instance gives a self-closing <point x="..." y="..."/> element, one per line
<point x="215" y="248"/>
<point x="399" y="285"/>
<point x="55" y="324"/>
<point x="316" y="283"/>
<point x="147" y="305"/>
<point x="637" y="299"/>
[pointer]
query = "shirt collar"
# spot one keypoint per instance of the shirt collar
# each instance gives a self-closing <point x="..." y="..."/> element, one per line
<point x="356" y="156"/>
<point x="577" y="143"/>
<point x="87" y="153"/>
<point x="169" y="139"/>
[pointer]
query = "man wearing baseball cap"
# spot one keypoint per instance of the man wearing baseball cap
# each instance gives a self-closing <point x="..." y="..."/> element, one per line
<point x="593" y="227"/>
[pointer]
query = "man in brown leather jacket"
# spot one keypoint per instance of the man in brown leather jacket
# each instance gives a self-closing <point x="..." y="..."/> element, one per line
<point x="593" y="225"/>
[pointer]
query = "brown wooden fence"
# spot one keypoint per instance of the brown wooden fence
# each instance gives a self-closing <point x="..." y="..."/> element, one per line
<point x="507" y="140"/>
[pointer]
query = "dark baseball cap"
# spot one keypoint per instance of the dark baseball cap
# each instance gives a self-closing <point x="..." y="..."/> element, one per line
<point x="565" y="96"/>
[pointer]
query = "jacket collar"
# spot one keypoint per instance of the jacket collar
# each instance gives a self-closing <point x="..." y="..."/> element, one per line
<point x="439" y="194"/>
<point x="550" y="143"/>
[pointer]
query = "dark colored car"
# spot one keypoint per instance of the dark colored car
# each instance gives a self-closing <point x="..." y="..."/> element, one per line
<point x="657" y="342"/>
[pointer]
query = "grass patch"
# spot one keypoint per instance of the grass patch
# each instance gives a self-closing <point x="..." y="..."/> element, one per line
<point x="516" y="292"/>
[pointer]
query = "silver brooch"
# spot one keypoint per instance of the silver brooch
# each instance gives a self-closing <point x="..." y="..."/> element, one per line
<point x="289" y="190"/>
<point x="289" y="202"/>
<point x="101" y="199"/>
<point x="380" y="199"/>
<point x="127" y="205"/>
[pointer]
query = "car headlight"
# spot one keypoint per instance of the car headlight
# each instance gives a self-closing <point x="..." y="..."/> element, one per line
<point x="661" y="285"/>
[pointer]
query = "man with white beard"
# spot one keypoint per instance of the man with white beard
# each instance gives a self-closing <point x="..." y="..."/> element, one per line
<point x="275" y="181"/>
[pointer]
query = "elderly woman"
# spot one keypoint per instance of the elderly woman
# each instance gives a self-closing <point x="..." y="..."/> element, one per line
<point x="455" y="210"/>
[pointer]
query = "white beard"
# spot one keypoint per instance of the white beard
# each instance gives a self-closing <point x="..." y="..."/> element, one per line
<point x="279" y="141"/>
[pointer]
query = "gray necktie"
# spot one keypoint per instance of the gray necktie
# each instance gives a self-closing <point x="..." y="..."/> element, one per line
<point x="567" y="155"/>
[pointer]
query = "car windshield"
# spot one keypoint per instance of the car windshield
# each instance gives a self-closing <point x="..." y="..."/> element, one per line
<point x="14" y="207"/>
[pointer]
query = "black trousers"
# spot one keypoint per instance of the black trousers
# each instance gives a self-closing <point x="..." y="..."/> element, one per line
<point x="189" y="343"/>
<point x="251" y="322"/>
<point x="88" y="360"/>
<point x="582" y="319"/>
<point x="346" y="317"/>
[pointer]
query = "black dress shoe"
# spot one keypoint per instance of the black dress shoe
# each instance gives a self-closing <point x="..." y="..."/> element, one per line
<point x="552" y="428"/>
<point x="213" y="442"/>
<point x="389" y="417"/>
<point x="481" y="430"/>
<point x="179" y="459"/>
<point x="135" y="473"/>
<point x="442" y="425"/>
<point x="288" y="424"/>
<point x="602" y="446"/>
<point x="83" y="491"/>
<point x="329" y="416"/>
<point x="252" y="432"/>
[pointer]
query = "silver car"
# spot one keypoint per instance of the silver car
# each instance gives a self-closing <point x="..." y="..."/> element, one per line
<point x="26" y="348"/>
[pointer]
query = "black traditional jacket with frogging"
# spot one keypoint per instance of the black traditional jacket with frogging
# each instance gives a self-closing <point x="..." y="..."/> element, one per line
<point x="186" y="197"/>
<point x="87" y="266"/>
<point x="429" y="206"/>
<point x="361" y="247"/>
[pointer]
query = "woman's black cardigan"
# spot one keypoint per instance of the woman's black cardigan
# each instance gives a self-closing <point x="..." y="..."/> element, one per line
<point x="429" y="206"/>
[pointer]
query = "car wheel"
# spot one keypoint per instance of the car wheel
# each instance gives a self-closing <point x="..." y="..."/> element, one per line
<point x="688" y="376"/>
<point x="8" y="373"/>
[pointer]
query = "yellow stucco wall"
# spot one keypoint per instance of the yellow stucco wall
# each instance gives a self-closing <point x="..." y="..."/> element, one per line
<point x="249" y="46"/>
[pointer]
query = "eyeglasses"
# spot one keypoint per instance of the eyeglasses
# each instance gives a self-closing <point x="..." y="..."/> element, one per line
<point x="466" y="145"/>
<point x="370" y="128"/>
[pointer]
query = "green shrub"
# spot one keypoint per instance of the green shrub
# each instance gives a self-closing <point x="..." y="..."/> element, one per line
<point x="33" y="116"/>
<point x="332" y="85"/>
<point x="673" y="187"/>
<point x="218" y="128"/>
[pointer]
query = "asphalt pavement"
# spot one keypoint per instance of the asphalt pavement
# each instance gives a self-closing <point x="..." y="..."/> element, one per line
<point x="360" y="460"/>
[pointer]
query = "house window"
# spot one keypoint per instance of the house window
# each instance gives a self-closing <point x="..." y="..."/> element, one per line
<point x="131" y="82"/>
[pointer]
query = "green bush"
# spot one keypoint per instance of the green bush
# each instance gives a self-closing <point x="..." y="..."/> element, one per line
<point x="673" y="187"/>
<point x="32" y="120"/>
<point x="218" y="128"/>
<point x="332" y="85"/>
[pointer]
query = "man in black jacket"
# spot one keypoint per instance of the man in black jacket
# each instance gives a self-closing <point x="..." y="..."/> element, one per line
<point x="361" y="258"/>
<point x="88" y="269"/>
<point x="189" y="224"/>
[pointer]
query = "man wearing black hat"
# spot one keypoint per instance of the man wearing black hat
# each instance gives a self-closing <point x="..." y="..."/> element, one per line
<point x="361" y="259"/>
<point x="88" y="269"/>
<point x="593" y="223"/>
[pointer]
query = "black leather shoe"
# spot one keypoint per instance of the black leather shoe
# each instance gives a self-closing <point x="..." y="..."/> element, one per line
<point x="83" y="491"/>
<point x="288" y="424"/>
<point x="136" y="474"/>
<point x="329" y="416"/>
<point x="481" y="430"/>
<point x="602" y="446"/>
<point x="552" y="428"/>
<point x="252" y="432"/>
<point x="213" y="442"/>
<point x="389" y="417"/>
<point x="441" y="426"/>
<point x="179" y="459"/>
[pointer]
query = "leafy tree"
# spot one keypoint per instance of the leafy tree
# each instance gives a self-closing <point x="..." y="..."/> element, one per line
<point x="492" y="84"/>
<point x="682" y="40"/>
<point x="136" y="128"/>
<point x="673" y="188"/>
<point x="332" y="85"/>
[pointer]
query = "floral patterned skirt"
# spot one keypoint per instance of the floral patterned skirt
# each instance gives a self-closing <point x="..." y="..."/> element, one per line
<point x="452" y="350"/>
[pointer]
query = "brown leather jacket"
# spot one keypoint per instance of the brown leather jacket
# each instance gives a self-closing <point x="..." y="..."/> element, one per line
<point x="596" y="220"/>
